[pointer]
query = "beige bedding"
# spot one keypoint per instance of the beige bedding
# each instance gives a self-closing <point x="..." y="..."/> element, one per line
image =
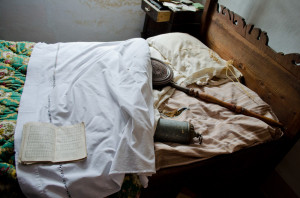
<point x="223" y="131"/>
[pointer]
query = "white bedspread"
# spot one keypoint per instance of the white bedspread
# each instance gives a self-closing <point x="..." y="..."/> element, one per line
<point x="108" y="86"/>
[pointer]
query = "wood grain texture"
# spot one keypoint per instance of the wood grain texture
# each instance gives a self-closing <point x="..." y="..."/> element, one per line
<point x="274" y="76"/>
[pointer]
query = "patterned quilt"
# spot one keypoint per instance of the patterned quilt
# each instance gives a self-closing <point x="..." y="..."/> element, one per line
<point x="14" y="58"/>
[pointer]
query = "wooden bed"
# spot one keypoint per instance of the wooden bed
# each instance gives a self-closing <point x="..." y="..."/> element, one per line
<point x="276" y="79"/>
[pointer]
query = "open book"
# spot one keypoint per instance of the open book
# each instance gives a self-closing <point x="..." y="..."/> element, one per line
<point x="45" y="142"/>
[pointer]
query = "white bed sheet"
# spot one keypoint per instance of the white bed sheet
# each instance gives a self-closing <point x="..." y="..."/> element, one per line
<point x="108" y="86"/>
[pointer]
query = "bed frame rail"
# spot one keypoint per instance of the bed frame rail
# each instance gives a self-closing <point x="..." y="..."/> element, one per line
<point x="274" y="76"/>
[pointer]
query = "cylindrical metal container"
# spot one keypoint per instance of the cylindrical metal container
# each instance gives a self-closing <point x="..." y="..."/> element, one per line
<point x="174" y="131"/>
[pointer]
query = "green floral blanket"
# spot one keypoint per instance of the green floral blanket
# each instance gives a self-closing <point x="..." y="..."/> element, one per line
<point x="14" y="58"/>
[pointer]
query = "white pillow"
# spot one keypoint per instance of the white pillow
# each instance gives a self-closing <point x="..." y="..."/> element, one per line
<point x="190" y="59"/>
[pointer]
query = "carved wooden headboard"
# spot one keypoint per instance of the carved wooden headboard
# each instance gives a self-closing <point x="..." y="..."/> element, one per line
<point x="274" y="76"/>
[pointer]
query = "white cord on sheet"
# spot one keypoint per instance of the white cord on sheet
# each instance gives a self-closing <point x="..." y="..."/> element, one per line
<point x="54" y="73"/>
<point x="229" y="64"/>
<point x="60" y="166"/>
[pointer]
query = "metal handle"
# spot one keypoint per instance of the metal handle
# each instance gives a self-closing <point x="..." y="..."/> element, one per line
<point x="147" y="9"/>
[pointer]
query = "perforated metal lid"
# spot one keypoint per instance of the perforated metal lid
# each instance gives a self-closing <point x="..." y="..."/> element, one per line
<point x="162" y="74"/>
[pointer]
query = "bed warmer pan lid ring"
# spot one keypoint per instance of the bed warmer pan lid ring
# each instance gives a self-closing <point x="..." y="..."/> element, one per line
<point x="162" y="74"/>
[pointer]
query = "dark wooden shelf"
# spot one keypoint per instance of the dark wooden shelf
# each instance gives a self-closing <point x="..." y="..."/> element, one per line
<point x="183" y="21"/>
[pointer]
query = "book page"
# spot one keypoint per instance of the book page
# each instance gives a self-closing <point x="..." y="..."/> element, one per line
<point x="38" y="142"/>
<point x="70" y="143"/>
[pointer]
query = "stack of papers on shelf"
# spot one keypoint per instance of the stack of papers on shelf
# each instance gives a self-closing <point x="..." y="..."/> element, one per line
<point x="179" y="7"/>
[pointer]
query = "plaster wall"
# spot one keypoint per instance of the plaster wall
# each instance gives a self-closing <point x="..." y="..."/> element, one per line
<point x="70" y="20"/>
